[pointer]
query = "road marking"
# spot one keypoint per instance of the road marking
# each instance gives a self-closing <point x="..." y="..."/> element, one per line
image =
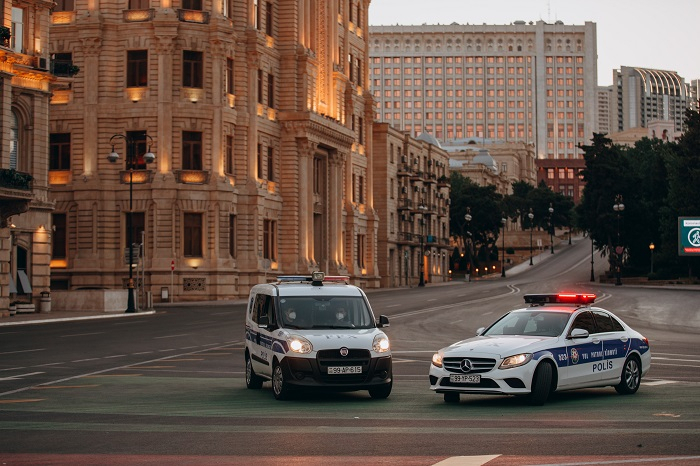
<point x="166" y="350"/>
<point x="56" y="387"/>
<point x="393" y="305"/>
<point x="115" y="356"/>
<point x="142" y="352"/>
<point x="466" y="460"/>
<point x="24" y="351"/>
<point x="156" y="367"/>
<point x="19" y="376"/>
<point x="13" y="369"/>
<point x="84" y="360"/>
<point x="674" y="365"/>
<point x="432" y="299"/>
<point x="91" y="376"/>
<point x="172" y="336"/>
<point x="630" y="461"/>
<point x="49" y="364"/>
<point x="399" y="361"/>
<point x="513" y="289"/>
<point x="81" y="334"/>
<point x="654" y="358"/>
<point x="658" y="382"/>
<point x="187" y="359"/>
<point x="455" y="321"/>
<point x="6" y="402"/>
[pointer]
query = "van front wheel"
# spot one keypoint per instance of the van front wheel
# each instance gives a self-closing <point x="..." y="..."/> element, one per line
<point x="280" y="387"/>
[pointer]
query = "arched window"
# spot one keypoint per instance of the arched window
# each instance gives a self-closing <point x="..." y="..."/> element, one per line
<point x="14" y="140"/>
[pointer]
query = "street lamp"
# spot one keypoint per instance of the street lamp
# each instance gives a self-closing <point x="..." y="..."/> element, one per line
<point x="531" y="216"/>
<point x="618" y="207"/>
<point x="468" y="219"/>
<point x="421" y="278"/>
<point x="592" y="272"/>
<point x="131" y="164"/>
<point x="551" y="228"/>
<point x="503" y="264"/>
<point x="651" y="249"/>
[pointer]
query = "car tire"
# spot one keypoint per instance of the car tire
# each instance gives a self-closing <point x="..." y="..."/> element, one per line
<point x="451" y="397"/>
<point x="631" y="377"/>
<point x="541" y="385"/>
<point x="280" y="387"/>
<point x="380" y="392"/>
<point x="252" y="380"/>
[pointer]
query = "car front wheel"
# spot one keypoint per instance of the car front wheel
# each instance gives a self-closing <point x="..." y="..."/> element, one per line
<point x="631" y="377"/>
<point x="280" y="387"/>
<point x="381" y="391"/>
<point x="541" y="384"/>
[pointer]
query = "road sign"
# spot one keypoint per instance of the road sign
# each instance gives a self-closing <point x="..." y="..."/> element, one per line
<point x="689" y="236"/>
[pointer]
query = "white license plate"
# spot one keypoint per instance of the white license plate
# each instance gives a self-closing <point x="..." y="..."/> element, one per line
<point x="345" y="370"/>
<point x="459" y="378"/>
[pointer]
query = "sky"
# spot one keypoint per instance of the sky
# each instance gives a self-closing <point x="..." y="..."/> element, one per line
<point x="662" y="35"/>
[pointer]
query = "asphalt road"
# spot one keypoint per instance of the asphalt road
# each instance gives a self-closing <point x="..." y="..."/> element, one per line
<point x="169" y="388"/>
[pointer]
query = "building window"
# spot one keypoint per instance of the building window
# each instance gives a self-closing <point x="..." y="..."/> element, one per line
<point x="138" y="225"/>
<point x="361" y="189"/>
<point x="137" y="68"/>
<point x="361" y="251"/>
<point x="270" y="240"/>
<point x="260" y="86"/>
<point x="137" y="4"/>
<point x="140" y="146"/>
<point x="64" y="5"/>
<point x="59" y="243"/>
<point x="192" y="69"/>
<point x="191" y="150"/>
<point x="256" y="14"/>
<point x="228" y="8"/>
<point x="260" y="162"/>
<point x="318" y="175"/>
<point x="229" y="76"/>
<point x="232" y="235"/>
<point x="270" y="163"/>
<point x="268" y="18"/>
<point x="229" y="155"/>
<point x="14" y="141"/>
<point x="192" y="4"/>
<point x="16" y="42"/>
<point x="271" y="91"/>
<point x="192" y="235"/>
<point x="59" y="148"/>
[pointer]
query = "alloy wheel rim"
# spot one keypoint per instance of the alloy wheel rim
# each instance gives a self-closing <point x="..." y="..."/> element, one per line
<point x="632" y="374"/>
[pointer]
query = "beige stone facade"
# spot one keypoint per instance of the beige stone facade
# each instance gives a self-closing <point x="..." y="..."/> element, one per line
<point x="25" y="207"/>
<point x="260" y="120"/>
<point x="412" y="201"/>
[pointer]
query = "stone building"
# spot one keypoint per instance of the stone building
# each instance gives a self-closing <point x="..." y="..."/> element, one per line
<point x="260" y="120"/>
<point x="412" y="195"/>
<point x="25" y="207"/>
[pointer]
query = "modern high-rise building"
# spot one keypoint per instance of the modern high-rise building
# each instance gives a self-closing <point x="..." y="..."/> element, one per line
<point x="25" y="207"/>
<point x="534" y="83"/>
<point x="259" y="116"/>
<point x="644" y="95"/>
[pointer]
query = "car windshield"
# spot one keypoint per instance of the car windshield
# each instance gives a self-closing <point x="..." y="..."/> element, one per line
<point x="535" y="323"/>
<point x="325" y="312"/>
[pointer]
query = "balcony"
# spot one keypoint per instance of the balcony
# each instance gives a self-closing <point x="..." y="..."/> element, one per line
<point x="192" y="176"/>
<point x="405" y="203"/>
<point x="12" y="179"/>
<point x="15" y="194"/>
<point x="137" y="176"/>
<point x="193" y="16"/>
<point x="138" y="16"/>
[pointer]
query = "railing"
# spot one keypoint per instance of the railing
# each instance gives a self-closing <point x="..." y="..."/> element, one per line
<point x="15" y="180"/>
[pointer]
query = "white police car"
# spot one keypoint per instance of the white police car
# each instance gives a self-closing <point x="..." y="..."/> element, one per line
<point x="558" y="343"/>
<point x="305" y="332"/>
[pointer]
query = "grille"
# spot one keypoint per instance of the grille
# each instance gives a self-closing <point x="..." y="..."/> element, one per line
<point x="479" y="365"/>
<point x="355" y="357"/>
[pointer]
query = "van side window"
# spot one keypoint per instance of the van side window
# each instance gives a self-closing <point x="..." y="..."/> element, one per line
<point x="263" y="313"/>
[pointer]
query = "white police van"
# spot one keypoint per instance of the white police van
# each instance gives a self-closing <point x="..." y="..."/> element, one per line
<point x="305" y="332"/>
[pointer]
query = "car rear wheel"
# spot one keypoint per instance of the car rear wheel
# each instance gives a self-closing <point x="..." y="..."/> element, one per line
<point x="541" y="384"/>
<point x="252" y="380"/>
<point x="451" y="397"/>
<point x="381" y="391"/>
<point x="631" y="377"/>
<point x="280" y="387"/>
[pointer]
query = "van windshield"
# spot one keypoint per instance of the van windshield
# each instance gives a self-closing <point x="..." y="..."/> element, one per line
<point x="325" y="312"/>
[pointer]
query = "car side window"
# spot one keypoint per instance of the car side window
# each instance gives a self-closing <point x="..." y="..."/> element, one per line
<point x="253" y="309"/>
<point x="585" y="321"/>
<point x="604" y="322"/>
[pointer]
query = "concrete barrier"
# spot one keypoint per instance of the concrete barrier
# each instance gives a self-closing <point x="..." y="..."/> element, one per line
<point x="89" y="300"/>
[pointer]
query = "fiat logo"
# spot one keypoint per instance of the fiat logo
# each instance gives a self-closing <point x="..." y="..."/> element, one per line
<point x="344" y="351"/>
<point x="466" y="365"/>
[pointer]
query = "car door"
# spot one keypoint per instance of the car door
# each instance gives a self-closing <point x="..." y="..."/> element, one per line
<point x="615" y="345"/>
<point x="261" y="353"/>
<point x="583" y="353"/>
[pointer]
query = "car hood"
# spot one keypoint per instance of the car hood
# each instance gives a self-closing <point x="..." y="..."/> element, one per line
<point x="498" y="346"/>
<point x="333" y="339"/>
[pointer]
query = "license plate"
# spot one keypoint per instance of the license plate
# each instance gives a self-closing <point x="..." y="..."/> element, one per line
<point x="345" y="370"/>
<point x="459" y="378"/>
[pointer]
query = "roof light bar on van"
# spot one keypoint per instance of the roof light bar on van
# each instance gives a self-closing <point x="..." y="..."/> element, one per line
<point x="337" y="278"/>
<point x="560" y="298"/>
<point x="293" y="278"/>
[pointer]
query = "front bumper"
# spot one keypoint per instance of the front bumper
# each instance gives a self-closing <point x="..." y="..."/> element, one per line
<point x="515" y="381"/>
<point x="313" y="372"/>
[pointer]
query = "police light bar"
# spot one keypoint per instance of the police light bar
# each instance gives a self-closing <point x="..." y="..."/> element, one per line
<point x="293" y="278"/>
<point x="560" y="298"/>
<point x="337" y="278"/>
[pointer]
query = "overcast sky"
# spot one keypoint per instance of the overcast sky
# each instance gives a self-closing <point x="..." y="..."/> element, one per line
<point x="654" y="34"/>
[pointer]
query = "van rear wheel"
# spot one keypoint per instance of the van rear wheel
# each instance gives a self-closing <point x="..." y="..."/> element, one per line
<point x="252" y="380"/>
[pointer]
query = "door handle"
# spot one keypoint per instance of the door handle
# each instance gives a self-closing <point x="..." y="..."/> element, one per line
<point x="624" y="339"/>
<point x="596" y="341"/>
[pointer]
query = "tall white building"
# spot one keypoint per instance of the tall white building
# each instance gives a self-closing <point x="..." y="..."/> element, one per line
<point x="524" y="82"/>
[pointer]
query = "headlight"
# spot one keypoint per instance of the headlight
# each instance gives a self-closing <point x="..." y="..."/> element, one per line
<point x="299" y="344"/>
<point x="516" y="360"/>
<point x="380" y="343"/>
<point x="437" y="360"/>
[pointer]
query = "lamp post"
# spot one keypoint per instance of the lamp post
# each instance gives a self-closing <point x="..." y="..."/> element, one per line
<point x="131" y="163"/>
<point x="468" y="219"/>
<point x="531" y="216"/>
<point x="592" y="272"/>
<point x="503" y="262"/>
<point x="551" y="228"/>
<point x="421" y="277"/>
<point x="618" y="207"/>
<point x="651" y="249"/>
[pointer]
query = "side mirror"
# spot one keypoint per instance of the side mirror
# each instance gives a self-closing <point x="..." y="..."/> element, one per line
<point x="578" y="333"/>
<point x="383" y="321"/>
<point x="480" y="330"/>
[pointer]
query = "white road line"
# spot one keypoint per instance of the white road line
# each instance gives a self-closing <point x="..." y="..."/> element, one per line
<point x="85" y="360"/>
<point x="684" y="459"/>
<point x="24" y="351"/>
<point x="13" y="369"/>
<point x="658" y="382"/>
<point x="115" y="356"/>
<point x="49" y="364"/>
<point x="166" y="350"/>
<point x="142" y="352"/>
<point x="19" y="376"/>
<point x="172" y="336"/>
<point x="513" y="289"/>
<point x="455" y="321"/>
<point x="674" y="365"/>
<point x="81" y="334"/>
<point x="392" y="305"/>
<point x="466" y="460"/>
<point x="655" y="358"/>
